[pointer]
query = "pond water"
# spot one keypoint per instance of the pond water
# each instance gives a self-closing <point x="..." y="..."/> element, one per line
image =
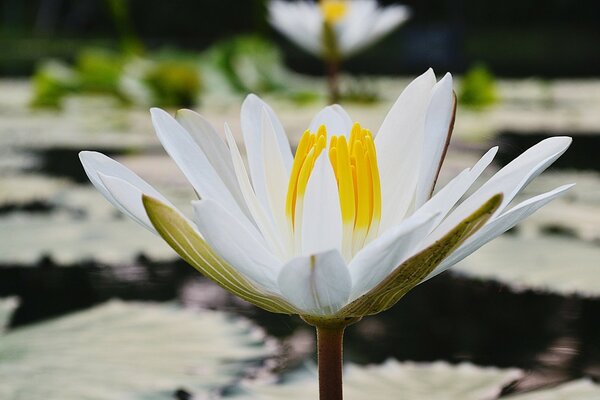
<point x="552" y="335"/>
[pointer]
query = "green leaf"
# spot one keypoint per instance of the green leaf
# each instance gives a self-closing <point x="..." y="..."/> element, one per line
<point x="393" y="380"/>
<point x="190" y="246"/>
<point x="129" y="351"/>
<point x="414" y="270"/>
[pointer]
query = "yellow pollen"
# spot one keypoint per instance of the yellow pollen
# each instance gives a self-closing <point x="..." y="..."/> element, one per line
<point x="354" y="163"/>
<point x="333" y="10"/>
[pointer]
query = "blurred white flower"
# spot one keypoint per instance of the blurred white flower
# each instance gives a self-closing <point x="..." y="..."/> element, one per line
<point x="335" y="28"/>
<point x="345" y="227"/>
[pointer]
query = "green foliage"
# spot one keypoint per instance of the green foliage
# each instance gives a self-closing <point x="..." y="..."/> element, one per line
<point x="478" y="88"/>
<point x="51" y="83"/>
<point x="99" y="71"/>
<point x="173" y="84"/>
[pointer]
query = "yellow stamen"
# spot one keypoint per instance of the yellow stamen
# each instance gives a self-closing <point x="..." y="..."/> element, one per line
<point x="333" y="10"/>
<point x="354" y="163"/>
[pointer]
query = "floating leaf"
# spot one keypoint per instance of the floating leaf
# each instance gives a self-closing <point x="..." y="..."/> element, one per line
<point x="391" y="380"/>
<point x="556" y="264"/>
<point x="127" y="351"/>
<point x="582" y="389"/>
<point x="7" y="306"/>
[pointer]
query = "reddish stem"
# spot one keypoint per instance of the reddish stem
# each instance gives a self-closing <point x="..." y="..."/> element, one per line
<point x="330" y="343"/>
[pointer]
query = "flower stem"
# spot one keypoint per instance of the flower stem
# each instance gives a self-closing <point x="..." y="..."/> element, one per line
<point x="333" y="82"/>
<point x="329" y="343"/>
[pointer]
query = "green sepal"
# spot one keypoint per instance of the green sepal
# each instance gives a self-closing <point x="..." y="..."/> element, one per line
<point x="190" y="246"/>
<point x="412" y="272"/>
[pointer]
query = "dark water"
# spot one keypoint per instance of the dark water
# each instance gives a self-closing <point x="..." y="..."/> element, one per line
<point x="449" y="318"/>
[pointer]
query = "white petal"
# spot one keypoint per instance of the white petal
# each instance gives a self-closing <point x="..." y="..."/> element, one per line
<point x="213" y="146"/>
<point x="96" y="164"/>
<point x="497" y="226"/>
<point x="380" y="257"/>
<point x="277" y="179"/>
<point x="336" y="120"/>
<point x="510" y="180"/>
<point x="445" y="199"/>
<point x="300" y="21"/>
<point x="253" y="131"/>
<point x="243" y="249"/>
<point x="399" y="142"/>
<point x="318" y="284"/>
<point x="321" y="217"/>
<point x="192" y="161"/>
<point x="258" y="212"/>
<point x="440" y="115"/>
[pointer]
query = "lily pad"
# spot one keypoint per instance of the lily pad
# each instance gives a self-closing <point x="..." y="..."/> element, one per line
<point x="128" y="351"/>
<point x="553" y="263"/>
<point x="7" y="306"/>
<point x="408" y="380"/>
<point x="582" y="389"/>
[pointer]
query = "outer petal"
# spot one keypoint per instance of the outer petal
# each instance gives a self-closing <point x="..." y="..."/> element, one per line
<point x="300" y="21"/>
<point x="192" y="161"/>
<point x="497" y="226"/>
<point x="322" y="218"/>
<point x="188" y="243"/>
<point x="438" y="129"/>
<point x="243" y="249"/>
<point x="416" y="268"/>
<point x="375" y="261"/>
<point x="399" y="142"/>
<point x="126" y="193"/>
<point x="253" y="130"/>
<point x="510" y="180"/>
<point x="318" y="284"/>
<point x="215" y="149"/>
<point x="336" y="120"/>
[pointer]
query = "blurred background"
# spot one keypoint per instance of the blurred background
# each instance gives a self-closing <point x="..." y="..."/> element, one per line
<point x="93" y="307"/>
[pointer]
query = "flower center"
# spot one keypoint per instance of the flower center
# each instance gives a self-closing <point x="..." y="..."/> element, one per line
<point x="354" y="163"/>
<point x="333" y="10"/>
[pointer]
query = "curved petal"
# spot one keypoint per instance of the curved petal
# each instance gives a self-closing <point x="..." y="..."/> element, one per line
<point x="376" y="260"/>
<point x="126" y="193"/>
<point x="399" y="143"/>
<point x="190" y="246"/>
<point x="497" y="226"/>
<point x="318" y="284"/>
<point x="243" y="249"/>
<point x="412" y="271"/>
<point x="510" y="180"/>
<point x="438" y="130"/>
<point x="300" y="21"/>
<point x="215" y="149"/>
<point x="253" y="131"/>
<point x="192" y="161"/>
<point x="321" y="217"/>
<point x="336" y="120"/>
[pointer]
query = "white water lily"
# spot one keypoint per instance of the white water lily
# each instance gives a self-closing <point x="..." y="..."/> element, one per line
<point x="355" y="24"/>
<point x="345" y="227"/>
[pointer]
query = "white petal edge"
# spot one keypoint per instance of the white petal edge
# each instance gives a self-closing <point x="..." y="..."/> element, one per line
<point x="497" y="226"/>
<point x="322" y="217"/>
<point x="241" y="248"/>
<point x="192" y="161"/>
<point x="252" y="130"/>
<point x="96" y="164"/>
<point x="510" y="180"/>
<point x="440" y="114"/>
<point x="398" y="143"/>
<point x="378" y="259"/>
<point x="318" y="284"/>
<point x="336" y="120"/>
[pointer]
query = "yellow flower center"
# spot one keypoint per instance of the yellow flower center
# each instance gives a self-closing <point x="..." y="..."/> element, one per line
<point x="333" y="10"/>
<point x="354" y="164"/>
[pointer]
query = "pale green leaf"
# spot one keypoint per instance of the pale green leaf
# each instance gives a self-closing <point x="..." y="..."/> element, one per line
<point x="394" y="380"/>
<point x="414" y="270"/>
<point x="582" y="389"/>
<point x="190" y="246"/>
<point x="133" y="351"/>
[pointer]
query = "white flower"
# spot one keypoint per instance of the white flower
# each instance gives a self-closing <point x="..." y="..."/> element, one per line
<point x="354" y="23"/>
<point x="347" y="226"/>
